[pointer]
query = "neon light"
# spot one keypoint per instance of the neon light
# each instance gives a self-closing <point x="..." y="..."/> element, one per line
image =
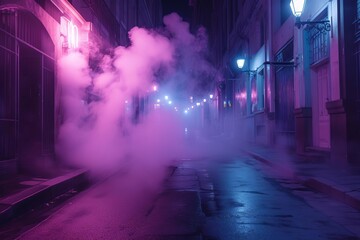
<point x="71" y="32"/>
<point x="253" y="96"/>
<point x="73" y="35"/>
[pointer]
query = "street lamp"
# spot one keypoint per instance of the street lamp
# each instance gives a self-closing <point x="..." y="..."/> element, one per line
<point x="297" y="7"/>
<point x="240" y="63"/>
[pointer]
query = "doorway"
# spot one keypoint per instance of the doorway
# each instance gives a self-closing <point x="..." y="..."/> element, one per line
<point x="284" y="105"/>
<point x="30" y="110"/>
<point x="321" y="119"/>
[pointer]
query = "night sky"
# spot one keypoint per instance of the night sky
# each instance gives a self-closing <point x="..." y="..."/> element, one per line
<point x="179" y="6"/>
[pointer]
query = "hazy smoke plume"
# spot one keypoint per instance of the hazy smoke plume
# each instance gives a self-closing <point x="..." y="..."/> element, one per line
<point x="105" y="128"/>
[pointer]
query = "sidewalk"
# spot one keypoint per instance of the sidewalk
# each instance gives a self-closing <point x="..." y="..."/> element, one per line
<point x="22" y="193"/>
<point x="339" y="182"/>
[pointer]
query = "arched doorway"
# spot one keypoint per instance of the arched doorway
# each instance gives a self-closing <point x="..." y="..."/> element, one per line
<point x="27" y="98"/>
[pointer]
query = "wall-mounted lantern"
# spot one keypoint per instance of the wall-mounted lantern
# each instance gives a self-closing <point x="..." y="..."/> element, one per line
<point x="297" y="7"/>
<point x="240" y="64"/>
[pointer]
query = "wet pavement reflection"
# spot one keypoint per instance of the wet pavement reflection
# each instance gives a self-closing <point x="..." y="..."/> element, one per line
<point x="241" y="202"/>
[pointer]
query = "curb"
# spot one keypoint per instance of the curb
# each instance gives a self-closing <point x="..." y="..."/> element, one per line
<point x="21" y="202"/>
<point x="324" y="186"/>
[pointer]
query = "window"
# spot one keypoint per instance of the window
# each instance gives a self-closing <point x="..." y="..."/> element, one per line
<point x="286" y="53"/>
<point x="257" y="91"/>
<point x="357" y="22"/>
<point x="8" y="121"/>
<point x="357" y="42"/>
<point x="253" y="95"/>
<point x="319" y="44"/>
<point x="260" y="91"/>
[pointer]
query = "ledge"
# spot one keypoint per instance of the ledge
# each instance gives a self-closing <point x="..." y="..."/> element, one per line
<point x="304" y="112"/>
<point x="336" y="107"/>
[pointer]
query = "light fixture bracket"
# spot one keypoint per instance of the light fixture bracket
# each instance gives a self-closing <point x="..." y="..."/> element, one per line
<point x="322" y="26"/>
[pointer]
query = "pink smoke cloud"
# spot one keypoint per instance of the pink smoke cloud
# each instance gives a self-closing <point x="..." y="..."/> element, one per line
<point x="99" y="131"/>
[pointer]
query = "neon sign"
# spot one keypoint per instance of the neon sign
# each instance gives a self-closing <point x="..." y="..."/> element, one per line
<point x="71" y="33"/>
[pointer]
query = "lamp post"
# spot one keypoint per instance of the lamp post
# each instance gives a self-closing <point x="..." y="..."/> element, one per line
<point x="297" y="7"/>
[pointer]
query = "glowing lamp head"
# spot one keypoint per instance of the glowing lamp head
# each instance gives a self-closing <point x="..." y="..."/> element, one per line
<point x="240" y="63"/>
<point x="297" y="7"/>
<point x="211" y="96"/>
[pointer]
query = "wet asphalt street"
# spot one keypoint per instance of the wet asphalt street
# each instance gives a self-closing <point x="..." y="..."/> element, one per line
<point x="247" y="202"/>
<point x="207" y="198"/>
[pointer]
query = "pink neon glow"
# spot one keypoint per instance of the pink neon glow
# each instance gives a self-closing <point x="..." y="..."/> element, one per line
<point x="70" y="31"/>
<point x="73" y="35"/>
<point x="241" y="96"/>
<point x="253" y="96"/>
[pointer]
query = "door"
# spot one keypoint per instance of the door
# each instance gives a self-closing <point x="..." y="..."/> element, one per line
<point x="30" y="110"/>
<point x="321" y="117"/>
<point x="284" y="107"/>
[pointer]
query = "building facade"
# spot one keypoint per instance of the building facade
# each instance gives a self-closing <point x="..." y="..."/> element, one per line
<point x="33" y="36"/>
<point x="299" y="87"/>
